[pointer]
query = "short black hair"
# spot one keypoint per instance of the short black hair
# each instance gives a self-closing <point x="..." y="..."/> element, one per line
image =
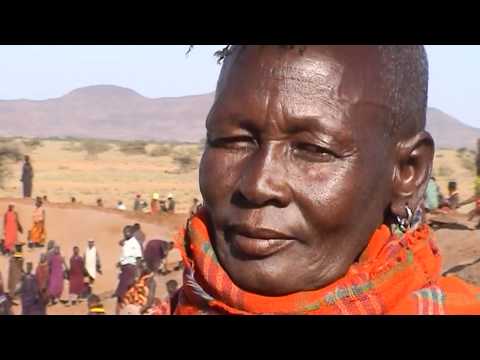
<point x="93" y="299"/>
<point x="404" y="71"/>
<point x="172" y="285"/>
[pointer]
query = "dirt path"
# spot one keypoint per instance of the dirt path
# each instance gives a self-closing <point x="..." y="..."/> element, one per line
<point x="460" y="251"/>
<point x="71" y="225"/>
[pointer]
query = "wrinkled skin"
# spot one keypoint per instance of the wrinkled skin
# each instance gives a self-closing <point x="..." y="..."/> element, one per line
<point x="299" y="145"/>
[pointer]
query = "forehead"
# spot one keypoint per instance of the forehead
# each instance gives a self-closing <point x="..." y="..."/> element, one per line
<point x="335" y="81"/>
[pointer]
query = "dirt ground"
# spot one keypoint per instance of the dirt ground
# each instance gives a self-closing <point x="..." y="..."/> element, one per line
<point x="113" y="176"/>
<point x="71" y="225"/>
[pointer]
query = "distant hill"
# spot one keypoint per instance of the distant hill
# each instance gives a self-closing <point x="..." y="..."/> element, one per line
<point x="449" y="132"/>
<point x="107" y="111"/>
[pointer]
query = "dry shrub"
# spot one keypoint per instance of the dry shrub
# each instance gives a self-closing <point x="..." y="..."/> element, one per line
<point x="94" y="148"/>
<point x="161" y="150"/>
<point x="468" y="163"/>
<point x="33" y="143"/>
<point x="186" y="160"/>
<point x="73" y="146"/>
<point x="444" y="171"/>
<point x="133" y="148"/>
<point x="8" y="154"/>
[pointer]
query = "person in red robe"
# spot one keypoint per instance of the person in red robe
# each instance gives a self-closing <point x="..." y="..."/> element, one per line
<point x="76" y="275"/>
<point x="12" y="227"/>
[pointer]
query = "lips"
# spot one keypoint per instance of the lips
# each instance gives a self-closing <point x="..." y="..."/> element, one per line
<point x="258" y="242"/>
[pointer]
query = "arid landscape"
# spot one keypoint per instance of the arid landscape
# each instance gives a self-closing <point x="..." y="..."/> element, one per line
<point x="158" y="152"/>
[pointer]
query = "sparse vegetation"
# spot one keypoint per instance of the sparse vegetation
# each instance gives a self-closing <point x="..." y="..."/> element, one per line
<point x="94" y="148"/>
<point x="72" y="146"/>
<point x="186" y="160"/>
<point x="161" y="150"/>
<point x="32" y="144"/>
<point x="7" y="154"/>
<point x="133" y="147"/>
<point x="444" y="171"/>
<point x="468" y="164"/>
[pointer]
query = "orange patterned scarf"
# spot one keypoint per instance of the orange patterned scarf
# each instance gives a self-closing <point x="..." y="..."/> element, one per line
<point x="395" y="275"/>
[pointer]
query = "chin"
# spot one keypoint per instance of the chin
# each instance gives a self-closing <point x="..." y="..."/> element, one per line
<point x="263" y="277"/>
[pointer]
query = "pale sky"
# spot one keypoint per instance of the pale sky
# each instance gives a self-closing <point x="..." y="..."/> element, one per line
<point x="41" y="72"/>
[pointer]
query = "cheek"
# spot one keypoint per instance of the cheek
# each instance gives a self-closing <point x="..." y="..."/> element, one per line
<point x="217" y="176"/>
<point x="338" y="195"/>
<point x="323" y="192"/>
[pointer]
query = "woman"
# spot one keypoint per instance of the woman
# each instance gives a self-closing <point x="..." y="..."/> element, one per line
<point x="325" y="151"/>
<point x="55" y="281"/>
<point x="141" y="296"/>
<point x="15" y="271"/>
<point x="5" y="303"/>
<point x="38" y="233"/>
<point x="27" y="178"/>
<point x="41" y="275"/>
<point x="76" y="275"/>
<point x="11" y="227"/>
<point x="155" y="204"/>
<point x="32" y="301"/>
<point x="50" y="250"/>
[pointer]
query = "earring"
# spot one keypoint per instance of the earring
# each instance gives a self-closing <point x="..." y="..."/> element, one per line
<point x="405" y="223"/>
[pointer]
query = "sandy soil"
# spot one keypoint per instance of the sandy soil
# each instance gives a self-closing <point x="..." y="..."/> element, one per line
<point x="61" y="174"/>
<point x="73" y="225"/>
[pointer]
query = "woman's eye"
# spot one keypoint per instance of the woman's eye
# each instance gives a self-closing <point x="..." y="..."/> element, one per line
<point x="313" y="152"/>
<point x="240" y="143"/>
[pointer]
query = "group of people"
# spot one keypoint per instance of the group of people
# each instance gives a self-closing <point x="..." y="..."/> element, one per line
<point x="435" y="202"/>
<point x="138" y="265"/>
<point x="12" y="228"/>
<point x="140" y="205"/>
<point x="157" y="205"/>
<point x="46" y="286"/>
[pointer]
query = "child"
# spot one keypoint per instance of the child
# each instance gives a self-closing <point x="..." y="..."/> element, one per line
<point x="95" y="306"/>
<point x="167" y="306"/>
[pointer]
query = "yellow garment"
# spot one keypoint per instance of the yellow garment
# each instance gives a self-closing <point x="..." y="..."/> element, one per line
<point x="477" y="186"/>
<point x="38" y="233"/>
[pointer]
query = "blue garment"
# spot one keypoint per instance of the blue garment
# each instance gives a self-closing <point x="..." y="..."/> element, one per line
<point x="431" y="195"/>
<point x="31" y="302"/>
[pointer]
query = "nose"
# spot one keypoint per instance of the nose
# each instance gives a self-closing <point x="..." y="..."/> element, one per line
<point x="264" y="181"/>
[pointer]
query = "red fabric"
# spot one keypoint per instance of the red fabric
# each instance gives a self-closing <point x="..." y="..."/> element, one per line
<point x="11" y="229"/>
<point x="41" y="274"/>
<point x="76" y="275"/>
<point x="393" y="276"/>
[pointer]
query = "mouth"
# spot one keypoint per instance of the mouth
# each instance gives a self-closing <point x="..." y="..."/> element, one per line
<point x="257" y="242"/>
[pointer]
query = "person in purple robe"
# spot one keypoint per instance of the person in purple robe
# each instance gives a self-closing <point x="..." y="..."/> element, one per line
<point x="32" y="301"/>
<point x="56" y="276"/>
<point x="76" y="276"/>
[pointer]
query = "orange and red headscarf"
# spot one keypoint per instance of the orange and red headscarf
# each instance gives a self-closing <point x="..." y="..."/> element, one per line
<point x="394" y="275"/>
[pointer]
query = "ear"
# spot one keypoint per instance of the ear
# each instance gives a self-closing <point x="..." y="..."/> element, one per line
<point x="413" y="167"/>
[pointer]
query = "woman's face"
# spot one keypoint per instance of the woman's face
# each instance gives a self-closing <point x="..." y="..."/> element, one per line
<point x="297" y="172"/>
